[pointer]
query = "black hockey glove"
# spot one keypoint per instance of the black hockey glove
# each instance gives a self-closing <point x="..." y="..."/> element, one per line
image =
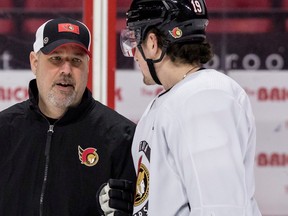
<point x="115" y="198"/>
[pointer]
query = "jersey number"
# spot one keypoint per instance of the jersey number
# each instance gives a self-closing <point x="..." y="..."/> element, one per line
<point x="197" y="6"/>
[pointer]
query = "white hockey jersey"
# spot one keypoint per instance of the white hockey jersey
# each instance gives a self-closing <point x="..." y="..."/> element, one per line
<point x="194" y="150"/>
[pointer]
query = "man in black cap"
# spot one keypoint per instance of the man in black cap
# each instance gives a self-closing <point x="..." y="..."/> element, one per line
<point x="58" y="147"/>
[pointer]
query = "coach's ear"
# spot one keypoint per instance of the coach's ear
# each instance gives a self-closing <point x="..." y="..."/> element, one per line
<point x="33" y="62"/>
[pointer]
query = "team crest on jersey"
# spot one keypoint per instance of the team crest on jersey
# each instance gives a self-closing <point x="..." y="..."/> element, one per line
<point x="88" y="156"/>
<point x="142" y="185"/>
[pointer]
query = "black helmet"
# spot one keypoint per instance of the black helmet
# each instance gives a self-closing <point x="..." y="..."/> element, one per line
<point x="178" y="20"/>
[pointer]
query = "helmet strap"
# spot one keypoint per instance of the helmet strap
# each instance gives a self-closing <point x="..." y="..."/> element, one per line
<point x="151" y="62"/>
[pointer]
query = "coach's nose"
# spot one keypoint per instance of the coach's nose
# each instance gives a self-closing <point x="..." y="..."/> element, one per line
<point x="66" y="67"/>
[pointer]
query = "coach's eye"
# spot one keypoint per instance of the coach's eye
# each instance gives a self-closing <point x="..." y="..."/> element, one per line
<point x="56" y="59"/>
<point x="76" y="61"/>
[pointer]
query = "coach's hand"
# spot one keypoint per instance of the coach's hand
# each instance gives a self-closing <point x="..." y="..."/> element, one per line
<point x="115" y="198"/>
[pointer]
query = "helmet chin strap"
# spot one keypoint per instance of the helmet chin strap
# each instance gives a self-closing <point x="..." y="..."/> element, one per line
<point x="152" y="71"/>
<point x="150" y="63"/>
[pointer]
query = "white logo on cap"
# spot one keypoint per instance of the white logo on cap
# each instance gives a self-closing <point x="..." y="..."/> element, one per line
<point x="70" y="27"/>
<point x="45" y="40"/>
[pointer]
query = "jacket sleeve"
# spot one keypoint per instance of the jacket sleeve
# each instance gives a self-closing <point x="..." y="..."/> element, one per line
<point x="4" y="137"/>
<point x="122" y="158"/>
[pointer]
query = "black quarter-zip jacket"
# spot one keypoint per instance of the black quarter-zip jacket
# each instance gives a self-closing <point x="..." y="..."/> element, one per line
<point x="43" y="171"/>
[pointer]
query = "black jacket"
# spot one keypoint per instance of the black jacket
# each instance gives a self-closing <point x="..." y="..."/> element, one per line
<point x="58" y="173"/>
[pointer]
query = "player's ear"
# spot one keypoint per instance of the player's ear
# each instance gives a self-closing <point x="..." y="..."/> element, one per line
<point x="152" y="46"/>
<point x="33" y="61"/>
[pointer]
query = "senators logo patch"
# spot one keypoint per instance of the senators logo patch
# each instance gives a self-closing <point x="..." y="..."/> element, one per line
<point x="88" y="156"/>
<point x="68" y="27"/>
<point x="176" y="32"/>
<point x="142" y="185"/>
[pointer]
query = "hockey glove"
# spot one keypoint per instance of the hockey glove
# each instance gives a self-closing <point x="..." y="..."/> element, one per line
<point x="115" y="198"/>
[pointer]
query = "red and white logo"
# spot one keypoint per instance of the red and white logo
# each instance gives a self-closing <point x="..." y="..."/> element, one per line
<point x="176" y="32"/>
<point x="68" y="27"/>
<point x="88" y="156"/>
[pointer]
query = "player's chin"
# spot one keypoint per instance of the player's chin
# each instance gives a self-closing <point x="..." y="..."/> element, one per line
<point x="148" y="81"/>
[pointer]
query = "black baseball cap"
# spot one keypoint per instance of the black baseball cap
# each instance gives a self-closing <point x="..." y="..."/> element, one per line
<point x="61" y="31"/>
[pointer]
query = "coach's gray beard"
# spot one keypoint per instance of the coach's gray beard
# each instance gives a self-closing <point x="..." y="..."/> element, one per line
<point x="62" y="102"/>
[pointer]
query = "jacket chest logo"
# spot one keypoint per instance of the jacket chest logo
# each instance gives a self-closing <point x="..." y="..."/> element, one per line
<point x="88" y="156"/>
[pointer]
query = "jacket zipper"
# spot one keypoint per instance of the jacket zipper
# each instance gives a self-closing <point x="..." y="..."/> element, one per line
<point x="47" y="151"/>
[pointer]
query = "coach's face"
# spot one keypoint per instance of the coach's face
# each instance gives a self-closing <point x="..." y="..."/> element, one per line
<point x="61" y="78"/>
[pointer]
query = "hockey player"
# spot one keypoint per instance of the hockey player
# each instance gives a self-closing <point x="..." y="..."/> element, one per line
<point x="194" y="146"/>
